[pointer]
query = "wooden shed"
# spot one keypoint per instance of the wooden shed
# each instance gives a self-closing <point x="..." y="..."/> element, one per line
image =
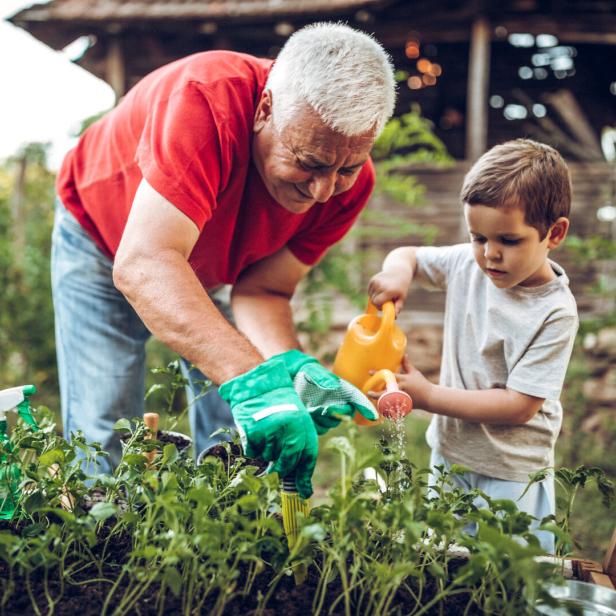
<point x="482" y="71"/>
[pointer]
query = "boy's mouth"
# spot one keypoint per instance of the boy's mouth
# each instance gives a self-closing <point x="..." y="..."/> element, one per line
<point x="495" y="273"/>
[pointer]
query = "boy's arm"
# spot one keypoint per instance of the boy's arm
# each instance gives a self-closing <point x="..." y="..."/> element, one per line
<point x="394" y="280"/>
<point x="492" y="406"/>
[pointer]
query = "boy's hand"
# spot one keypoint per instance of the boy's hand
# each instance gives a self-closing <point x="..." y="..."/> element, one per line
<point x="414" y="383"/>
<point x="390" y="285"/>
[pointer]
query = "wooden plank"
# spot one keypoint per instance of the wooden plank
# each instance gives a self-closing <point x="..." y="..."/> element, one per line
<point x="115" y="68"/>
<point x="572" y="114"/>
<point x="477" y="90"/>
<point x="583" y="569"/>
<point x="601" y="579"/>
<point x="609" y="561"/>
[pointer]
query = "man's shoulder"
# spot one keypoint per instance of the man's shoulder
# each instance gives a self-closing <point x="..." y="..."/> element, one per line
<point x="208" y="70"/>
<point x="227" y="64"/>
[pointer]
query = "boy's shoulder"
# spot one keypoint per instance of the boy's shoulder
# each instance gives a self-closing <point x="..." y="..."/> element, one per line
<point x="555" y="294"/>
<point x="455" y="254"/>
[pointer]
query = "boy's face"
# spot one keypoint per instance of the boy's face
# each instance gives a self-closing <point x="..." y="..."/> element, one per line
<point x="508" y="250"/>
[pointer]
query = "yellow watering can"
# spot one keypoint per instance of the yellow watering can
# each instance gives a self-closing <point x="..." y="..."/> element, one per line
<point x="374" y="343"/>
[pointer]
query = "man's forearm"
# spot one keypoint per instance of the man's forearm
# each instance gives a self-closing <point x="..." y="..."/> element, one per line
<point x="266" y="319"/>
<point x="165" y="292"/>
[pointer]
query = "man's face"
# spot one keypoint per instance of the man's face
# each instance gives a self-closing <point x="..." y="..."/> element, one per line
<point x="506" y="249"/>
<point x="306" y="162"/>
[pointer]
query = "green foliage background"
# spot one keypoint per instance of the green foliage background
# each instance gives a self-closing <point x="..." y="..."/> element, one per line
<point x="27" y="350"/>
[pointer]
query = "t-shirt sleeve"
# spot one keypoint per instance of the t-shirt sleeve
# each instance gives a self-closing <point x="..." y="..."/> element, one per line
<point x="336" y="218"/>
<point x="542" y="368"/>
<point x="436" y="263"/>
<point x="179" y="153"/>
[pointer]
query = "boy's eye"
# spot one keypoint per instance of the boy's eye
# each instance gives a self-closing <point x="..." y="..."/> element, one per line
<point x="509" y="241"/>
<point x="478" y="239"/>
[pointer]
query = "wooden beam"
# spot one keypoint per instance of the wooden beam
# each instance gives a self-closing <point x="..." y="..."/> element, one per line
<point x="115" y="68"/>
<point x="477" y="90"/>
<point x="609" y="562"/>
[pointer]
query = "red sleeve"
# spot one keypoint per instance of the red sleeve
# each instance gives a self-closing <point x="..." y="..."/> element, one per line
<point x="179" y="153"/>
<point x="333" y="220"/>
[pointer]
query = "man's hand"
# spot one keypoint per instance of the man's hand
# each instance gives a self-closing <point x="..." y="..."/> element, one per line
<point x="273" y="423"/>
<point x="325" y="395"/>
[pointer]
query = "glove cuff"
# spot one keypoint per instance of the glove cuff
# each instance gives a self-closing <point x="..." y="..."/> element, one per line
<point x="294" y="360"/>
<point x="271" y="374"/>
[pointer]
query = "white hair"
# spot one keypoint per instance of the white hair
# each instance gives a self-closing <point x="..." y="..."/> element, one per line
<point x="343" y="74"/>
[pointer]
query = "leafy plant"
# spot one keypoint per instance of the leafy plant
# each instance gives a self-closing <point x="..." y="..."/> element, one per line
<point x="172" y="536"/>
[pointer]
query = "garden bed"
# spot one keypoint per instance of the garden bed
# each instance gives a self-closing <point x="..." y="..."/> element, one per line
<point x="172" y="536"/>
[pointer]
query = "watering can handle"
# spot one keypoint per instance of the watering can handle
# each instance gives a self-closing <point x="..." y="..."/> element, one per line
<point x="387" y="321"/>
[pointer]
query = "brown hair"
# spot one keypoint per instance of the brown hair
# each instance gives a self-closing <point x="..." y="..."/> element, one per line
<point x="521" y="173"/>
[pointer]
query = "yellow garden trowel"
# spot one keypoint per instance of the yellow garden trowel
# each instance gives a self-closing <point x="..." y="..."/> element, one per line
<point x="292" y="504"/>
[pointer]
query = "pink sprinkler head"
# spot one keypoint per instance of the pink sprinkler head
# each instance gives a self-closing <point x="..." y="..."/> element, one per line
<point x="394" y="404"/>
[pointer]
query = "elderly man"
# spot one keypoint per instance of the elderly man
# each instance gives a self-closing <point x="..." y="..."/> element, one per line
<point x="217" y="169"/>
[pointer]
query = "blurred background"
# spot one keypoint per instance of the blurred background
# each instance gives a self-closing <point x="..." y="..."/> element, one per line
<point x="471" y="74"/>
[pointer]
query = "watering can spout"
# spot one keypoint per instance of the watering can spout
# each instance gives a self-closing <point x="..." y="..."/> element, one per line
<point x="374" y="343"/>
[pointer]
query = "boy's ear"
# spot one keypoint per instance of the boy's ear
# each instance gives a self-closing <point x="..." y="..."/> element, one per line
<point x="558" y="232"/>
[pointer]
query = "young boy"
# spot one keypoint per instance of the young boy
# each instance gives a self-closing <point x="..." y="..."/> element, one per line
<point x="510" y="324"/>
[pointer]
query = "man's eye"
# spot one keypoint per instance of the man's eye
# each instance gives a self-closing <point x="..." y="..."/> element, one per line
<point x="305" y="166"/>
<point x="347" y="172"/>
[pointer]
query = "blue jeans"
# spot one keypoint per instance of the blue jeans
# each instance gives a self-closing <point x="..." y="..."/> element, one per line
<point x="539" y="501"/>
<point x="100" y="346"/>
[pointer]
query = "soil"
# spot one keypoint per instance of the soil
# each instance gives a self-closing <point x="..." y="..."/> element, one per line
<point x="181" y="441"/>
<point x="98" y="495"/>
<point x="288" y="600"/>
<point x="230" y="454"/>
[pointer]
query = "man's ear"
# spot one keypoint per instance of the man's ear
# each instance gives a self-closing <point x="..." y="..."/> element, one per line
<point x="263" y="112"/>
<point x="558" y="232"/>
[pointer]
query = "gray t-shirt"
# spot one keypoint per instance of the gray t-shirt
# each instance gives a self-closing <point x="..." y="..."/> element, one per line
<point x="519" y="338"/>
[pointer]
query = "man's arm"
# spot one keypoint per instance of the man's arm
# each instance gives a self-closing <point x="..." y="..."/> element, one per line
<point x="151" y="270"/>
<point x="261" y="302"/>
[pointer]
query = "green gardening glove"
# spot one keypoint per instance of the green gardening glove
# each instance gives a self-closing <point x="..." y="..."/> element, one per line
<point x="324" y="394"/>
<point x="273" y="422"/>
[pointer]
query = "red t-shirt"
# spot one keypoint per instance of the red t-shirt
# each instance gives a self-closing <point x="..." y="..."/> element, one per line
<point x="187" y="129"/>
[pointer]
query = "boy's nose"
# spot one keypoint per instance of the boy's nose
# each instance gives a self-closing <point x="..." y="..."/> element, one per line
<point x="491" y="252"/>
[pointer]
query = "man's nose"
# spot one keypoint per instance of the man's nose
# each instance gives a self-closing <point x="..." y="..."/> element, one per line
<point x="322" y="186"/>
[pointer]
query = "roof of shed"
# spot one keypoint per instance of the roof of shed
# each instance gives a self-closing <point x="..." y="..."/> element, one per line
<point x="100" y="10"/>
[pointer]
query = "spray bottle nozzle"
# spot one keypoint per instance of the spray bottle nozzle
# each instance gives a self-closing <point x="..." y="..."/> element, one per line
<point x="13" y="399"/>
<point x="18" y="398"/>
